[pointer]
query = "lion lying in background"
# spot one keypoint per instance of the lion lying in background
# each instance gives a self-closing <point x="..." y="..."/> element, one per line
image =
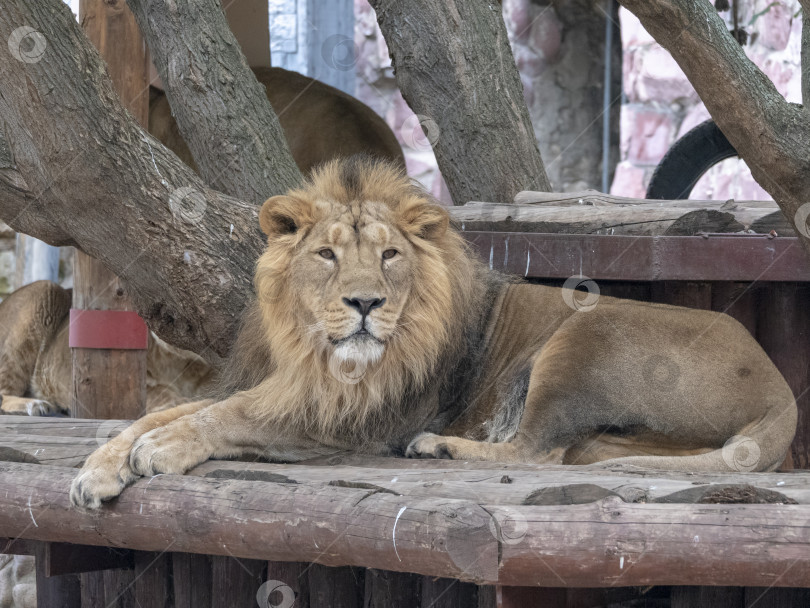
<point x="320" y="122"/>
<point x="36" y="367"/>
<point x="376" y="330"/>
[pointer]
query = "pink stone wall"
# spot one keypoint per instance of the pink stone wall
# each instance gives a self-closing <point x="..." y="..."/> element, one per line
<point x="660" y="104"/>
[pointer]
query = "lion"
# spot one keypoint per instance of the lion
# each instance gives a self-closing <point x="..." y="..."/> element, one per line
<point x="375" y="329"/>
<point x="320" y="122"/>
<point x="36" y="365"/>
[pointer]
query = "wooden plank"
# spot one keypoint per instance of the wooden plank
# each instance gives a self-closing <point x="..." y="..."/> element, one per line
<point x="520" y="597"/>
<point x="589" y="545"/>
<point x="66" y="558"/>
<point x="629" y="258"/>
<point x="688" y="597"/>
<point x="738" y="300"/>
<point x="56" y="591"/>
<point x="691" y="294"/>
<point x="774" y="597"/>
<point x="192" y="580"/>
<point x="335" y="587"/>
<point x="294" y="575"/>
<point x="111" y="383"/>
<point x="783" y="330"/>
<point x="448" y="593"/>
<point x="235" y="581"/>
<point x="93" y="594"/>
<point x="18" y="546"/>
<point x="153" y="577"/>
<point x="386" y="589"/>
<point x="119" y="589"/>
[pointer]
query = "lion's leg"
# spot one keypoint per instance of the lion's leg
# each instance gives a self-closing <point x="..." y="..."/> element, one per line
<point x="29" y="318"/>
<point x="106" y="471"/>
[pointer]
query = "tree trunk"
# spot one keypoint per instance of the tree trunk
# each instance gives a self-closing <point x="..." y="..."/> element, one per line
<point x="456" y="71"/>
<point x="76" y="169"/>
<point x="222" y="110"/>
<point x="770" y="135"/>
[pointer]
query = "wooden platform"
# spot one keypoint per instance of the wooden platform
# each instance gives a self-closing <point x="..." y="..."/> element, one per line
<point x="483" y="523"/>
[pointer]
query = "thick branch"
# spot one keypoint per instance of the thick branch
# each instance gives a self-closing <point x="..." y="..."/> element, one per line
<point x="771" y="135"/>
<point x="221" y="109"/>
<point x="79" y="171"/>
<point x="454" y="66"/>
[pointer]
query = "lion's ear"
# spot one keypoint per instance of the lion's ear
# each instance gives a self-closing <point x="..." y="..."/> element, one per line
<point x="283" y="214"/>
<point x="426" y="220"/>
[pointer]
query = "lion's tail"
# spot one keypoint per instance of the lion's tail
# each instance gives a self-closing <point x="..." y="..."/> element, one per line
<point x="760" y="446"/>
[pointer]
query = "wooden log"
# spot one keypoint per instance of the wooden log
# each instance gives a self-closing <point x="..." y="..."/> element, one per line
<point x="618" y="216"/>
<point x="111" y="383"/>
<point x="606" y="543"/>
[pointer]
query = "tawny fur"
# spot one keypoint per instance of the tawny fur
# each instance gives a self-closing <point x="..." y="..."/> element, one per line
<point x="36" y="365"/>
<point x="320" y="122"/>
<point x="455" y="361"/>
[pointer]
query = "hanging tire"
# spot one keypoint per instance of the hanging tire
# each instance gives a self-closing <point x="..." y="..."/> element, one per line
<point x="687" y="160"/>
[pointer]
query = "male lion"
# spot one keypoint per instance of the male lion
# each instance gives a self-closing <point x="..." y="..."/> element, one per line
<point x="376" y="330"/>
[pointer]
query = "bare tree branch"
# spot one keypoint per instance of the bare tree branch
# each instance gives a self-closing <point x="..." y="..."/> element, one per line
<point x="455" y="68"/>
<point x="221" y="109"/>
<point x="771" y="135"/>
<point x="78" y="170"/>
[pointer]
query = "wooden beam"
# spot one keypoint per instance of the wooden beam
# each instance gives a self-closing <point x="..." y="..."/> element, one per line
<point x="643" y="258"/>
<point x="600" y="544"/>
<point x="111" y="383"/>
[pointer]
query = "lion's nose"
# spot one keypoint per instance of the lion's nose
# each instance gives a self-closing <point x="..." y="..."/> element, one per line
<point x="364" y="306"/>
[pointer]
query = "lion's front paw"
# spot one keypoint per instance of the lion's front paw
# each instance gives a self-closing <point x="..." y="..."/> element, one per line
<point x="31" y="407"/>
<point x="174" y="448"/>
<point x="428" y="445"/>
<point x="104" y="476"/>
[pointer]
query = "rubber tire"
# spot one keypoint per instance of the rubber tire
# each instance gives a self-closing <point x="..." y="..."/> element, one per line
<point x="687" y="160"/>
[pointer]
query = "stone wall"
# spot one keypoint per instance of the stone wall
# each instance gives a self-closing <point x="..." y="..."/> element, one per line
<point x="559" y="48"/>
<point x="660" y="104"/>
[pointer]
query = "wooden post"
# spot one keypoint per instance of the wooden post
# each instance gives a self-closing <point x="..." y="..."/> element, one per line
<point x="111" y="383"/>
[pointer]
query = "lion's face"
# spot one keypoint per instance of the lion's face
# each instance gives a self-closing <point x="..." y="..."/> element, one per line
<point x="357" y="271"/>
<point x="353" y="274"/>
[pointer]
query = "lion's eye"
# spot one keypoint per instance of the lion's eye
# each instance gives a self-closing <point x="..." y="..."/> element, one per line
<point x="327" y="254"/>
<point x="389" y="253"/>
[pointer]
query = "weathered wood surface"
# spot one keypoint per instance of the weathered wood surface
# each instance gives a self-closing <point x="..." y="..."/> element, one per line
<point x="111" y="383"/>
<point x="732" y="257"/>
<point x="67" y="442"/>
<point x="602" y="543"/>
<point x="592" y="212"/>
